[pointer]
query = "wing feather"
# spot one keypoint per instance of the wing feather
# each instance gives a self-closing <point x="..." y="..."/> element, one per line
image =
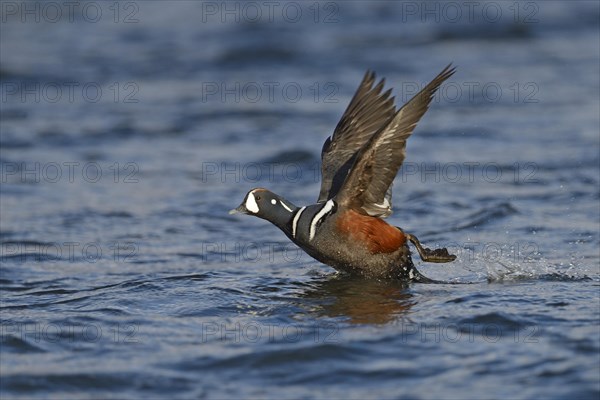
<point x="368" y="111"/>
<point x="367" y="187"/>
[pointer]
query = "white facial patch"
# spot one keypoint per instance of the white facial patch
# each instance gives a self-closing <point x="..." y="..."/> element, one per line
<point x="251" y="203"/>
<point x="273" y="201"/>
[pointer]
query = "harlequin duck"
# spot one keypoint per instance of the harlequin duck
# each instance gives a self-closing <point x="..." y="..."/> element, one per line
<point x="345" y="228"/>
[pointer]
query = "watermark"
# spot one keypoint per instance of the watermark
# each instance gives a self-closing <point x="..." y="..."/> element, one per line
<point x="329" y="332"/>
<point x="476" y="92"/>
<point x="66" y="332"/>
<point x="467" y="332"/>
<point x="89" y="252"/>
<point x="292" y="92"/>
<point x="292" y="172"/>
<point x="68" y="172"/>
<point x="515" y="252"/>
<point x="248" y="252"/>
<point x="254" y="332"/>
<point x="294" y="12"/>
<point x="254" y="172"/>
<point x="449" y="12"/>
<point x="469" y="172"/>
<point x="68" y="92"/>
<point x="453" y="12"/>
<point x="53" y="12"/>
<point x="268" y="92"/>
<point x="270" y="12"/>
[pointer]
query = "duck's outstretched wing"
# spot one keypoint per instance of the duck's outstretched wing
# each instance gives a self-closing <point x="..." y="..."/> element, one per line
<point x="368" y="111"/>
<point x="378" y="162"/>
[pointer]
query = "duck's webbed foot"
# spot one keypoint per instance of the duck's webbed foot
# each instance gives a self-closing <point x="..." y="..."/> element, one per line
<point x="428" y="255"/>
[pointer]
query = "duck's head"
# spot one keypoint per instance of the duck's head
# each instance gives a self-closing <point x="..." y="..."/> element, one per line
<point x="267" y="205"/>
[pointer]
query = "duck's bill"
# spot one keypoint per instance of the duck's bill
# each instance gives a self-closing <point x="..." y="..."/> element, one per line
<point x="240" y="210"/>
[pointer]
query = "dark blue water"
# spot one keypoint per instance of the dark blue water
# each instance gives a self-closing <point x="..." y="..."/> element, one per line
<point x="128" y="130"/>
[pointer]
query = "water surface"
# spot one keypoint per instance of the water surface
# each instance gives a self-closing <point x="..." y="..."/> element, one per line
<point x="124" y="144"/>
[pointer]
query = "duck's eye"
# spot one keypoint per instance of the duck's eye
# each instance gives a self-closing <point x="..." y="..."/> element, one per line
<point x="257" y="198"/>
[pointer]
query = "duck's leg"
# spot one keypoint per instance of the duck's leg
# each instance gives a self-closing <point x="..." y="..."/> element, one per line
<point x="428" y="255"/>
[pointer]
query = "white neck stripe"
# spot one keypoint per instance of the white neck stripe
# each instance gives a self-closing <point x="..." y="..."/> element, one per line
<point x="313" y="225"/>
<point x="295" y="221"/>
